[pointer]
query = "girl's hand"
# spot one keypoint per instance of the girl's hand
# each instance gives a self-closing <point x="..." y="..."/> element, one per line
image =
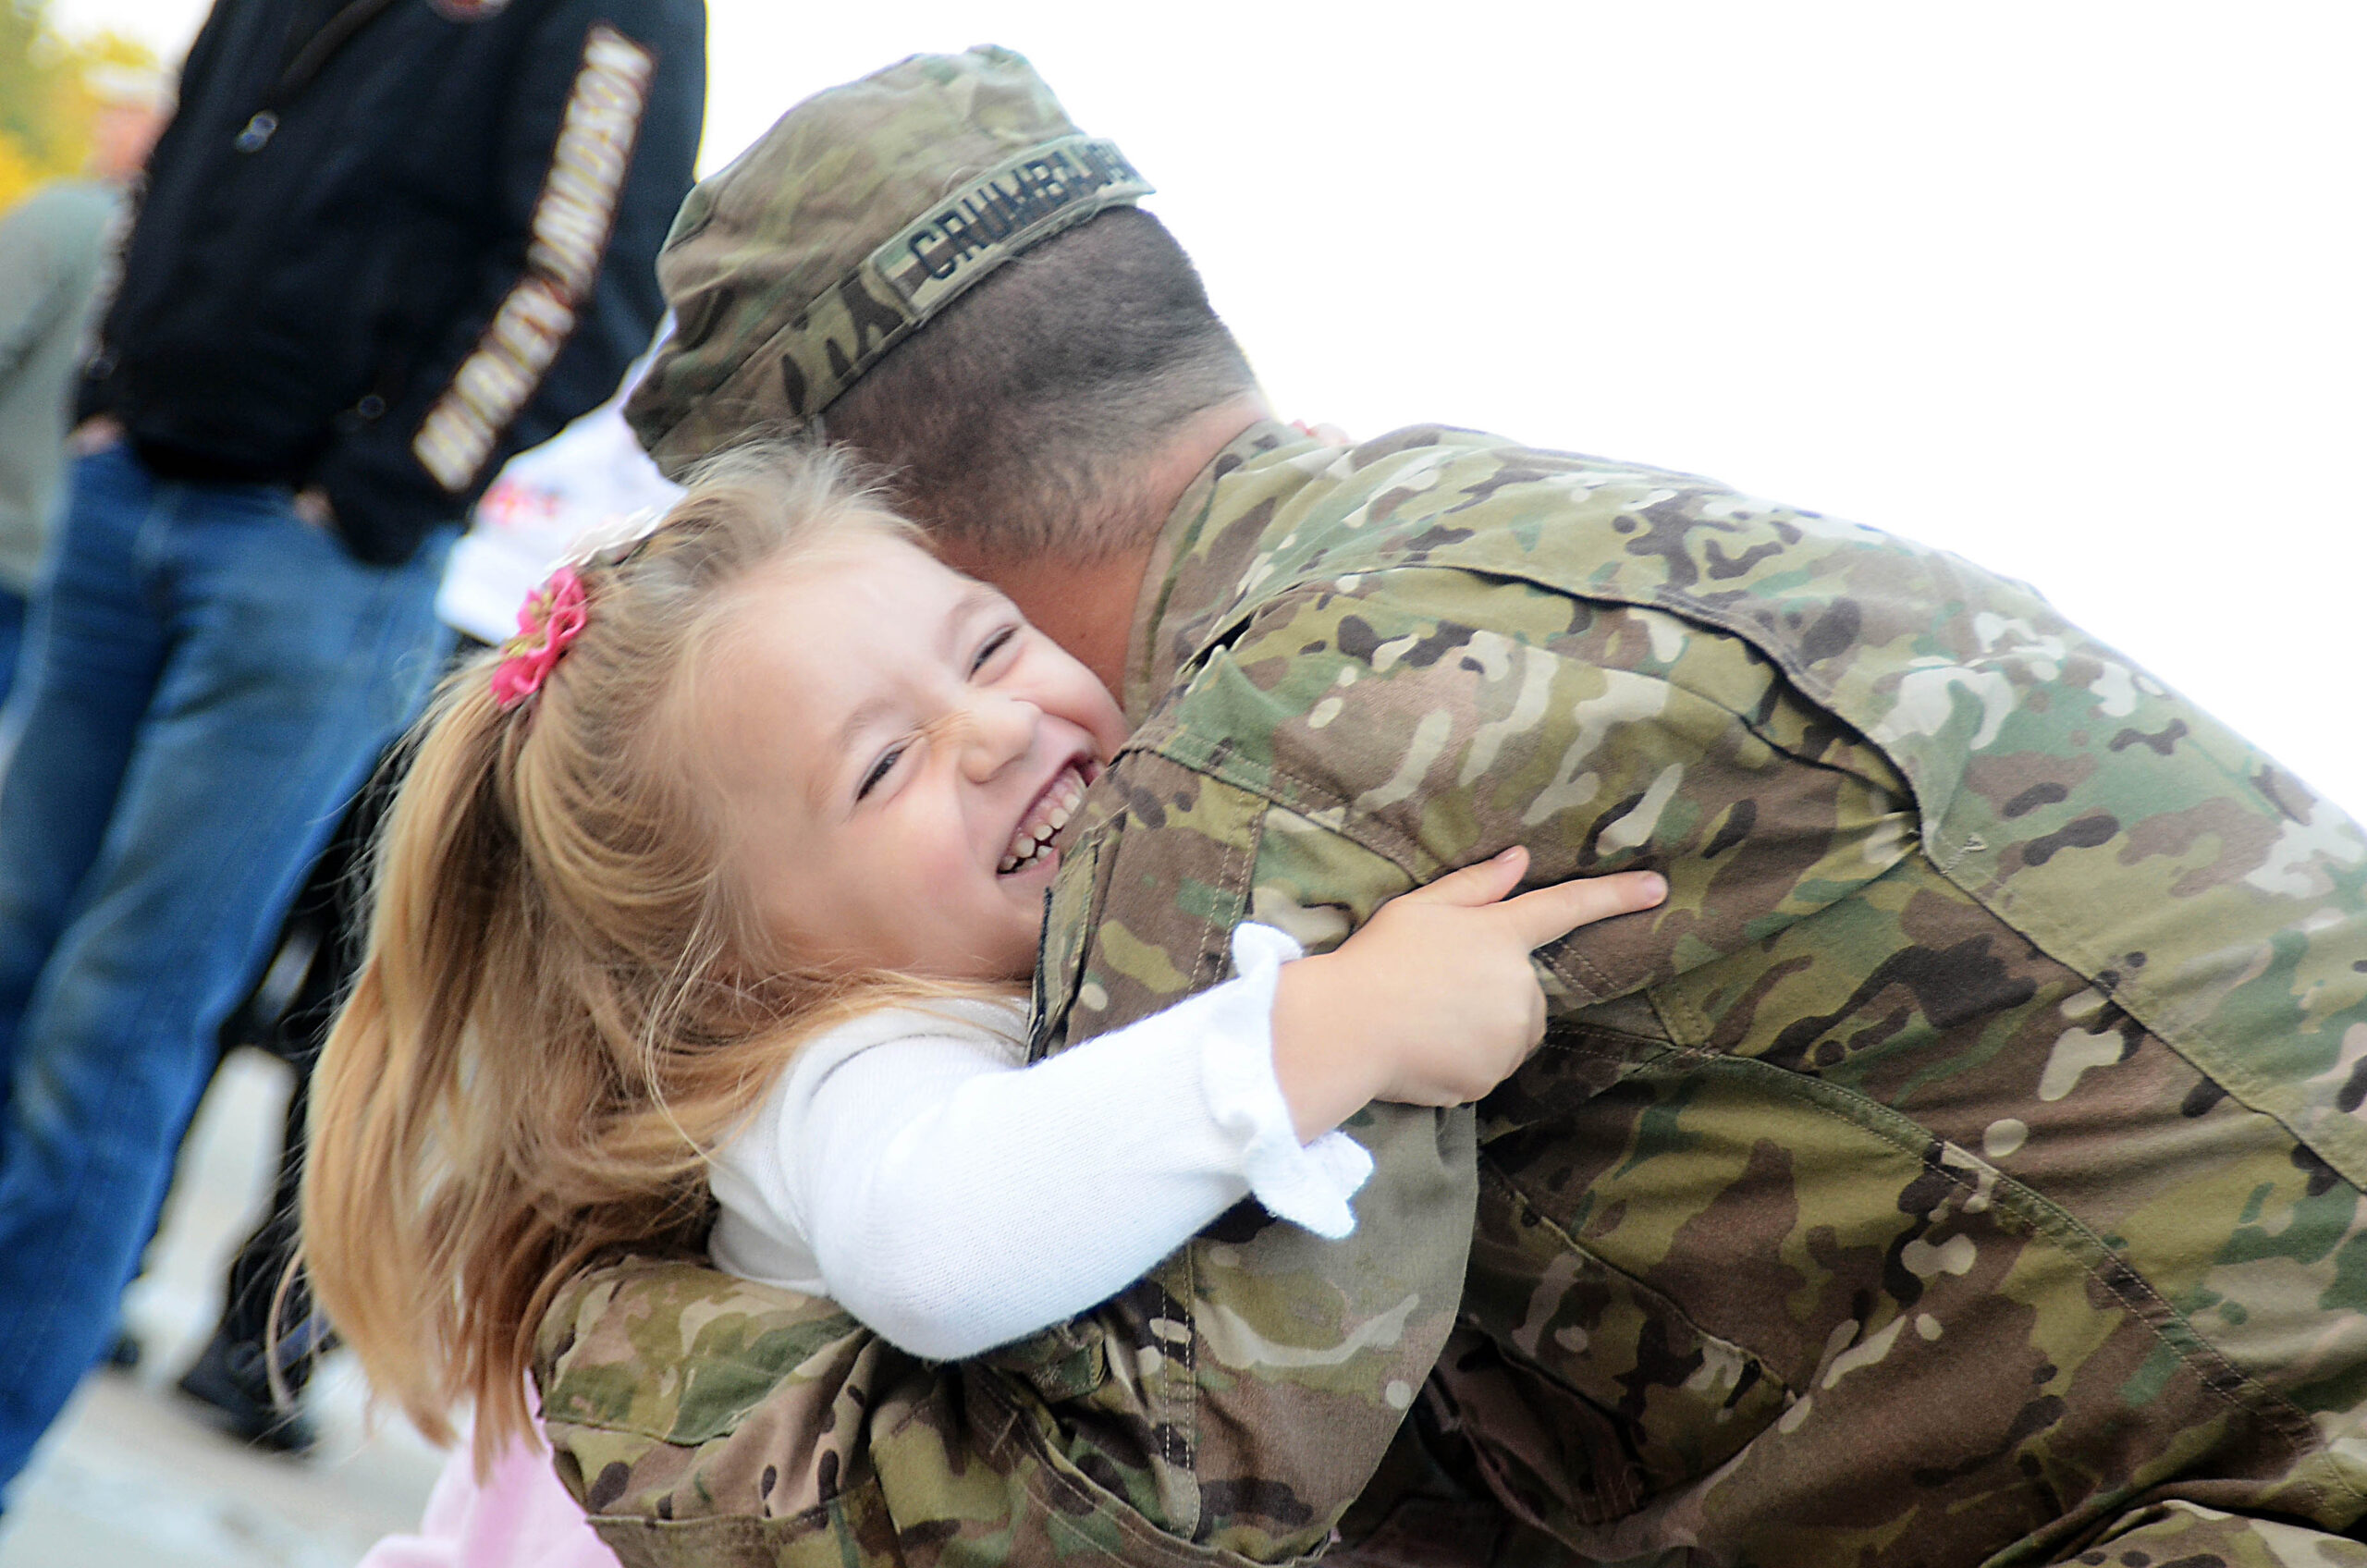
<point x="1433" y="1001"/>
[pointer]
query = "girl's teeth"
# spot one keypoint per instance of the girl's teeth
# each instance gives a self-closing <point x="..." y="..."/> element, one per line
<point x="1031" y="840"/>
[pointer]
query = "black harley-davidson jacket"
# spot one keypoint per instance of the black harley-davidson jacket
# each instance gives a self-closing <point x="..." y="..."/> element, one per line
<point x="386" y="243"/>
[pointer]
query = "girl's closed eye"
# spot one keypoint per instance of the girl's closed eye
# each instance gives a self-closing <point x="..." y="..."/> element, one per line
<point x="878" y="773"/>
<point x="998" y="641"/>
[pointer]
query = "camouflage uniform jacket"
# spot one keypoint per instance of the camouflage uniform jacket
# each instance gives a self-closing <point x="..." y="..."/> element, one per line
<point x="1963" y="1166"/>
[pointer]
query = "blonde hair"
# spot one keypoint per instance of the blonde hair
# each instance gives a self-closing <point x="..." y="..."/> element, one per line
<point x="532" y="1063"/>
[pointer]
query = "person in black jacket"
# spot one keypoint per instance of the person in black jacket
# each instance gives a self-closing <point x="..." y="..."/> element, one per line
<point x="383" y="244"/>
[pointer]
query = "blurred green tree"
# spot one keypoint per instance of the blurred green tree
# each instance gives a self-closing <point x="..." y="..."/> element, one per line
<point x="48" y="102"/>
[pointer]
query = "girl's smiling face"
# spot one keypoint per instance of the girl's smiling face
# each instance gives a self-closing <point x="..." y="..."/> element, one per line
<point x="895" y="744"/>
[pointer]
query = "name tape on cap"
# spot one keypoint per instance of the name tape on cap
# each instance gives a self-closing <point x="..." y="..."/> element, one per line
<point x="994" y="215"/>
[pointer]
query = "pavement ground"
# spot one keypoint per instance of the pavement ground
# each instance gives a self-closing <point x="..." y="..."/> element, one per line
<point x="133" y="1475"/>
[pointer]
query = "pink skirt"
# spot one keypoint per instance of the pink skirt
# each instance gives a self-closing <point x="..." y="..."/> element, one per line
<point x="520" y="1517"/>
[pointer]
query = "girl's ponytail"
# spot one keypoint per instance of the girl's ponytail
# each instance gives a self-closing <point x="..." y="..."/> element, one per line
<point x="391" y="1111"/>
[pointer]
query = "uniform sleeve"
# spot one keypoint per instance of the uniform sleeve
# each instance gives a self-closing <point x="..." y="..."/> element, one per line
<point x="957" y="1199"/>
<point x="594" y="158"/>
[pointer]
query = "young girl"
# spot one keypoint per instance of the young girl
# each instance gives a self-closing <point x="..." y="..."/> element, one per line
<point x="705" y="907"/>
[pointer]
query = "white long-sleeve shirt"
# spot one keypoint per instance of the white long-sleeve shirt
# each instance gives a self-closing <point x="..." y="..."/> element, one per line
<point x="911" y="1166"/>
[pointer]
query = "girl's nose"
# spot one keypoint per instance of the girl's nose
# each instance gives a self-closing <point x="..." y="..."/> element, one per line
<point x="1000" y="731"/>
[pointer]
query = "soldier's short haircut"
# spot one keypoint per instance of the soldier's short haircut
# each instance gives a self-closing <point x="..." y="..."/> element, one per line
<point x="1017" y="422"/>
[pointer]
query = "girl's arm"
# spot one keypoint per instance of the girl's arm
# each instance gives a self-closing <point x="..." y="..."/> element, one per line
<point x="955" y="1200"/>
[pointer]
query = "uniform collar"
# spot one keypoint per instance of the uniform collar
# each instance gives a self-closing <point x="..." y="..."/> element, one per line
<point x="1196" y="570"/>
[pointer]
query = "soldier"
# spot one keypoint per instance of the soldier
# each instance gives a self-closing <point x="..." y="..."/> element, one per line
<point x="1963" y="1166"/>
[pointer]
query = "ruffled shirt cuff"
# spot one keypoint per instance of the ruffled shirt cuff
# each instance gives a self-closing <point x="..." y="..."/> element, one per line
<point x="1308" y="1184"/>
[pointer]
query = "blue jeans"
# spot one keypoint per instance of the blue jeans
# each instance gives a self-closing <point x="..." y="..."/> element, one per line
<point x="205" y="679"/>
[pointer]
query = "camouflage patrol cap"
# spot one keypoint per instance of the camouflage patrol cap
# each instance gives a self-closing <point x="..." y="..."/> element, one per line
<point x="858" y="216"/>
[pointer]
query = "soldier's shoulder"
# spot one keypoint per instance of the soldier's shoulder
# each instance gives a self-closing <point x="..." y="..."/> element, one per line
<point x="1465" y="454"/>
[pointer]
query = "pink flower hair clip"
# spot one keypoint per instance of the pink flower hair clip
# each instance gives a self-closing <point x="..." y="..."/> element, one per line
<point x="552" y="617"/>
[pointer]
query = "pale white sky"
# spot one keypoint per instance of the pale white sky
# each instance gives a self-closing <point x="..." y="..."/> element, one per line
<point x="2070" y="287"/>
